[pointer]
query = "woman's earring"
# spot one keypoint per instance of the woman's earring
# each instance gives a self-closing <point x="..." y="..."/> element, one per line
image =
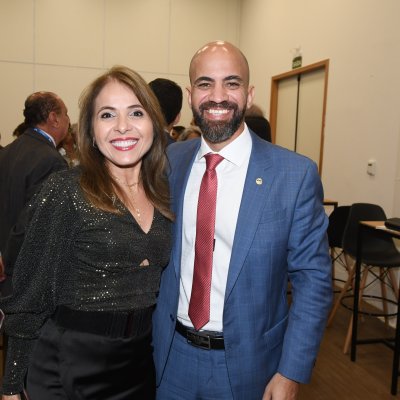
<point x="94" y="143"/>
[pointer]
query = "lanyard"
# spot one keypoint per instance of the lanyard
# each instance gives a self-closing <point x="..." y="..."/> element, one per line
<point x="45" y="135"/>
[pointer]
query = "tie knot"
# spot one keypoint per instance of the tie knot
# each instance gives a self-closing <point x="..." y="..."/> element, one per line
<point x="212" y="160"/>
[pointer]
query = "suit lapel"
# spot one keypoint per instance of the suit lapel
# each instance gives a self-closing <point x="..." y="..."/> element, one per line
<point x="254" y="199"/>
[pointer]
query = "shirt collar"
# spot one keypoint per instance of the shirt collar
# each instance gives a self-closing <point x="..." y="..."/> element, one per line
<point x="236" y="152"/>
<point x="45" y="135"/>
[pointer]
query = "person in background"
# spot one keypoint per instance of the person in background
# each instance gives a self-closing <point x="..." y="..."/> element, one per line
<point x="86" y="279"/>
<point x="176" y="131"/>
<point x="20" y="129"/>
<point x="191" y="132"/>
<point x="170" y="97"/>
<point x="223" y="328"/>
<point x="25" y="164"/>
<point x="68" y="148"/>
<point x="255" y="120"/>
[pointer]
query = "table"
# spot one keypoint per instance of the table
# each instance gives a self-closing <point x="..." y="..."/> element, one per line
<point x="363" y="226"/>
<point x="329" y="202"/>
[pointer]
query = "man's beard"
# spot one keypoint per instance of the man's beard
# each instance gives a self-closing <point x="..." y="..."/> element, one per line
<point x="218" y="131"/>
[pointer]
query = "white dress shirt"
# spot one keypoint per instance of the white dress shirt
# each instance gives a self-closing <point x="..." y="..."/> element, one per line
<point x="231" y="173"/>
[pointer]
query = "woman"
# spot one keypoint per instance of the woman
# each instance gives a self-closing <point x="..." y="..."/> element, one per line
<point x="85" y="285"/>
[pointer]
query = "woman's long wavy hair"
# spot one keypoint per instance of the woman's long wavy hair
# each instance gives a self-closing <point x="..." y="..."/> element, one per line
<point x="97" y="184"/>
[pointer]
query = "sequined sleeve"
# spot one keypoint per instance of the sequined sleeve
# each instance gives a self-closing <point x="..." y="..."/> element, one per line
<point x="34" y="281"/>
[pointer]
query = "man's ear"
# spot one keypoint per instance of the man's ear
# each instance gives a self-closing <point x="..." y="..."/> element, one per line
<point x="250" y="96"/>
<point x="189" y="95"/>
<point x="53" y="118"/>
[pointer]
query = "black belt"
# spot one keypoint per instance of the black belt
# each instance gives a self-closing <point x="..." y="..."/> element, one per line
<point x="111" y="324"/>
<point x="203" y="339"/>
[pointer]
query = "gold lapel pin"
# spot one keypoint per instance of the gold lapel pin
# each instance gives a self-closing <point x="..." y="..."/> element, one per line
<point x="259" y="181"/>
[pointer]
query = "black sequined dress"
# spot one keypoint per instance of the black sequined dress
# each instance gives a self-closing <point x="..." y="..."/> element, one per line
<point x="82" y="257"/>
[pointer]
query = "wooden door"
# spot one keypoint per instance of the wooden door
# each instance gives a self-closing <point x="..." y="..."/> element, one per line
<point x="297" y="114"/>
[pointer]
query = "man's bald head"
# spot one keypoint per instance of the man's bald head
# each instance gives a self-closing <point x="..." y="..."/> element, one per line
<point x="219" y="47"/>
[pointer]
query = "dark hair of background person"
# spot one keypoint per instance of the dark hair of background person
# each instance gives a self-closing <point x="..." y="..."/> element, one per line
<point x="170" y="96"/>
<point x="96" y="181"/>
<point x="176" y="131"/>
<point x="39" y="105"/>
<point x="20" y="129"/>
<point x="255" y="120"/>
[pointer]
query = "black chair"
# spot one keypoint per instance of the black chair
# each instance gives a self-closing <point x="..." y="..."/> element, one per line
<point x="379" y="251"/>
<point x="337" y="223"/>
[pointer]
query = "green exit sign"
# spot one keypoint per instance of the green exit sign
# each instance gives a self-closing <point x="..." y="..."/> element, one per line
<point x="296" y="63"/>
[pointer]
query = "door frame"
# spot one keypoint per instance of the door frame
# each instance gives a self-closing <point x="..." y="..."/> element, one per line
<point x="324" y="64"/>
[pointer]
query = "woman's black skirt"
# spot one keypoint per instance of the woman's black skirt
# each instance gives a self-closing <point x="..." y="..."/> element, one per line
<point x="68" y="363"/>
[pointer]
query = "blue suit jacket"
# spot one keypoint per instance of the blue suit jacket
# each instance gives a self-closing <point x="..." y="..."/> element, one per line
<point x="280" y="235"/>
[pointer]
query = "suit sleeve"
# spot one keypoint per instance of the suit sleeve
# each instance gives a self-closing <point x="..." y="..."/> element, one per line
<point x="41" y="171"/>
<point x="38" y="272"/>
<point x="36" y="179"/>
<point x="309" y="268"/>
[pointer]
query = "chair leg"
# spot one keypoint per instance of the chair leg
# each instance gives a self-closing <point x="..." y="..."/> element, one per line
<point x="395" y="289"/>
<point x="347" y="340"/>
<point x="384" y="294"/>
<point x="350" y="327"/>
<point x="346" y="286"/>
<point x="350" y="267"/>
<point x="346" y="265"/>
<point x="394" y="283"/>
<point x="332" y="251"/>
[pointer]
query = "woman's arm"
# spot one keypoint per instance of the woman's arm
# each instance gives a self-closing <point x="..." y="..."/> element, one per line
<point x="35" y="277"/>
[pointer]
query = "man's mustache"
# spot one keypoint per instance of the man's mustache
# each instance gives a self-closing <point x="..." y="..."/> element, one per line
<point x="226" y="105"/>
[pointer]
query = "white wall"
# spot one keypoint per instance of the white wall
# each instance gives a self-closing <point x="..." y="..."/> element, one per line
<point x="362" y="40"/>
<point x="61" y="45"/>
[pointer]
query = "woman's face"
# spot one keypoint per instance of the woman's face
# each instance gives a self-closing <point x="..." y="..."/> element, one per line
<point x="123" y="130"/>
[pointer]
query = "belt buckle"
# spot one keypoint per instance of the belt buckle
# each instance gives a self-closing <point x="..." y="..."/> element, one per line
<point x="199" y="339"/>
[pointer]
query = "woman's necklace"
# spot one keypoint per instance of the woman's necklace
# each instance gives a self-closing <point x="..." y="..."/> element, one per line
<point x="131" y="187"/>
<point x="137" y="210"/>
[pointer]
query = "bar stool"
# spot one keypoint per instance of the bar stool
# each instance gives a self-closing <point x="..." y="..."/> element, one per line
<point x="379" y="251"/>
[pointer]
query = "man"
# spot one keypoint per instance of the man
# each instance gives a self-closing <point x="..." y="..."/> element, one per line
<point x="25" y="164"/>
<point x="169" y="95"/>
<point x="270" y="226"/>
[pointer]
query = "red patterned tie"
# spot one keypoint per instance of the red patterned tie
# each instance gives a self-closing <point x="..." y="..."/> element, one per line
<point x="199" y="306"/>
